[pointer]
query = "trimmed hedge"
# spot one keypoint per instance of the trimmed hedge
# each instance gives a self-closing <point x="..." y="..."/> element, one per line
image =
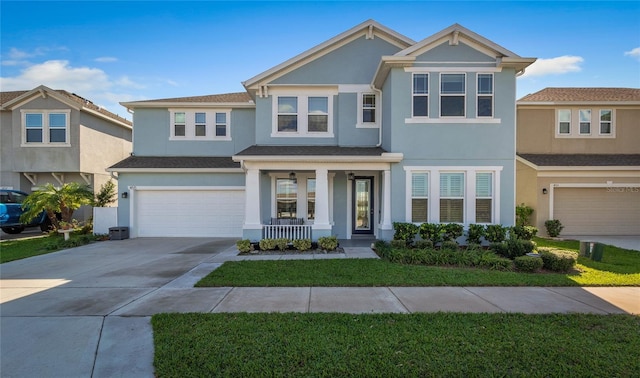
<point x="528" y="264"/>
<point x="558" y="260"/>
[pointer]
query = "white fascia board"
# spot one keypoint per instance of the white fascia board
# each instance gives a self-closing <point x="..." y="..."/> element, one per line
<point x="29" y="96"/>
<point x="385" y="65"/>
<point x="176" y="170"/>
<point x="173" y="188"/>
<point x="384" y="158"/>
<point x="522" y="104"/>
<point x="107" y="118"/>
<point x="177" y="104"/>
<point x="330" y="45"/>
<point x="516" y="62"/>
<point x="526" y="162"/>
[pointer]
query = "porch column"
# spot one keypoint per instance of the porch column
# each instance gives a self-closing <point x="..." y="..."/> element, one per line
<point x="386" y="200"/>
<point x="321" y="221"/>
<point x="252" y="200"/>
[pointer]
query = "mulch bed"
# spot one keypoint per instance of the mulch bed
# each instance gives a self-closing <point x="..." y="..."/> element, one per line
<point x="293" y="252"/>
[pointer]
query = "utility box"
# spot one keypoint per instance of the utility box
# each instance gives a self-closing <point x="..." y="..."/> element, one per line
<point x="118" y="233"/>
<point x="585" y="248"/>
<point x="597" y="252"/>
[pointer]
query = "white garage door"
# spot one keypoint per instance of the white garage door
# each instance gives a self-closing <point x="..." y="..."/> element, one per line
<point x="189" y="213"/>
<point x="598" y="211"/>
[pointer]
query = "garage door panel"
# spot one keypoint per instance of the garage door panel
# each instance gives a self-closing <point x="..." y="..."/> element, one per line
<point x="597" y="211"/>
<point x="175" y="213"/>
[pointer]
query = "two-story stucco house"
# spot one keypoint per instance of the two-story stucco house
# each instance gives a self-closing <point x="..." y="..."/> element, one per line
<point x="579" y="159"/>
<point x="363" y="130"/>
<point x="57" y="137"/>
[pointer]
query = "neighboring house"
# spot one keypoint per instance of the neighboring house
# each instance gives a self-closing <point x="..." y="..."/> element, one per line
<point x="363" y="130"/>
<point x="579" y="159"/>
<point x="53" y="136"/>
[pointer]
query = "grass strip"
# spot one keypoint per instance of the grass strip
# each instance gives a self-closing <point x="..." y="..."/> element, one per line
<point x="11" y="250"/>
<point x="395" y="345"/>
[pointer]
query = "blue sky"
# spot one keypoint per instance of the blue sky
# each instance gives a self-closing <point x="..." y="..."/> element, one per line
<point x="113" y="51"/>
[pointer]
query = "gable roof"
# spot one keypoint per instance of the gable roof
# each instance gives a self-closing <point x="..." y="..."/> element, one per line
<point x="9" y="100"/>
<point x="236" y="99"/>
<point x="369" y="28"/>
<point x="567" y="95"/>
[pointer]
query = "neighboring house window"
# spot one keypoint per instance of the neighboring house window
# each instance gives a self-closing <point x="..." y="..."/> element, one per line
<point x="311" y="199"/>
<point x="484" y="197"/>
<point x="419" y="197"/>
<point x="179" y="124"/>
<point x="318" y="114"/>
<point x="201" y="124"/>
<point x="420" y="95"/>
<point x="222" y="127"/>
<point x="585" y="121"/>
<point x="605" y="122"/>
<point x="208" y="125"/>
<point x="287" y="114"/>
<point x="564" y="121"/>
<point x="46" y="127"/>
<point x="452" y="95"/>
<point x="286" y="198"/>
<point x="485" y="95"/>
<point x="303" y="116"/>
<point x="452" y="197"/>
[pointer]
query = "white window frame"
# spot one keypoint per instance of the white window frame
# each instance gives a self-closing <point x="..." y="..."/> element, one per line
<point x="302" y="199"/>
<point x="580" y="121"/>
<point x="463" y="197"/>
<point x="574" y="123"/>
<point x="469" y="203"/>
<point x="302" y="95"/>
<point x="491" y="197"/>
<point x="413" y="95"/>
<point x="464" y="95"/>
<point x="361" y="123"/>
<point x="611" y="129"/>
<point x="491" y="95"/>
<point x="412" y="197"/>
<point x="45" y="127"/>
<point x="190" y="124"/>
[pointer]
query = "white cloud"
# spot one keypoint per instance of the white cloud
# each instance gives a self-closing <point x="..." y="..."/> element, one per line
<point x="106" y="59"/>
<point x="128" y="83"/>
<point x="633" y="53"/>
<point x="58" y="74"/>
<point x="554" y="66"/>
<point x="16" y="54"/>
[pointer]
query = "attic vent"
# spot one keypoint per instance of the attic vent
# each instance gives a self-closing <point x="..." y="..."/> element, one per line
<point x="370" y="32"/>
<point x="454" y="38"/>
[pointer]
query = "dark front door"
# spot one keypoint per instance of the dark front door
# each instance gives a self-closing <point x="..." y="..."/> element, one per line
<point x="363" y="205"/>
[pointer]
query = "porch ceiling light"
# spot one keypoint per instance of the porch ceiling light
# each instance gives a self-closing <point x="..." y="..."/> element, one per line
<point x="292" y="175"/>
<point x="351" y="176"/>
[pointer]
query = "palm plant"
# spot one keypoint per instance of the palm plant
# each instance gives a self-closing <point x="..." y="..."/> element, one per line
<point x="64" y="201"/>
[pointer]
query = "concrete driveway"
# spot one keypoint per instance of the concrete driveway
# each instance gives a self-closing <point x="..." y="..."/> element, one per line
<point x="628" y="241"/>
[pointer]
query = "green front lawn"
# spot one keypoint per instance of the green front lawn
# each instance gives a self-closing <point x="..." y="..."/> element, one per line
<point x="619" y="267"/>
<point x="11" y="250"/>
<point x="395" y="345"/>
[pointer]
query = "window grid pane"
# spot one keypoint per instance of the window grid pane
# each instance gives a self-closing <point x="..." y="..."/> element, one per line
<point x="419" y="208"/>
<point x="318" y="105"/>
<point x="33" y="120"/>
<point x="179" y="118"/>
<point x="419" y="185"/>
<point x="369" y="108"/>
<point x="585" y="121"/>
<point x="483" y="210"/>
<point x="605" y="121"/>
<point x="179" y="130"/>
<point x="201" y="118"/>
<point x="485" y="83"/>
<point x="451" y="210"/>
<point x="318" y="123"/>
<point x="34" y="135"/>
<point x="420" y="83"/>
<point x="564" y="121"/>
<point x="201" y="130"/>
<point x="452" y="84"/>
<point x="485" y="106"/>
<point x="57" y="120"/>
<point x="57" y="135"/>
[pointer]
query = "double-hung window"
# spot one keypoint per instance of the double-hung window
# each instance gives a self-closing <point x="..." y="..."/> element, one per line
<point x="305" y="115"/>
<point x="485" y="95"/>
<point x="46" y="127"/>
<point x="585" y="121"/>
<point x="368" y="108"/>
<point x="201" y="125"/>
<point x="484" y="197"/>
<point x="287" y="114"/>
<point x="420" y="106"/>
<point x="222" y="126"/>
<point x="605" y="122"/>
<point x="564" y="121"/>
<point x="452" y="197"/>
<point x="419" y="197"/>
<point x="287" y="198"/>
<point x="179" y="124"/>
<point x="452" y="95"/>
<point x="318" y="114"/>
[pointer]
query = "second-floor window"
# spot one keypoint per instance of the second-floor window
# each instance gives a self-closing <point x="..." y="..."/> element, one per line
<point x="199" y="125"/>
<point x="564" y="121"/>
<point x="605" y="122"/>
<point x="305" y="115"/>
<point x="485" y="95"/>
<point x="46" y="127"/>
<point x="420" y="92"/>
<point x="585" y="123"/>
<point x="452" y="95"/>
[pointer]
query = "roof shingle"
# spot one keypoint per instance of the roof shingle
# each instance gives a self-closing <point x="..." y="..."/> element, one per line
<point x="583" y="95"/>
<point x="583" y="160"/>
<point x="311" y="151"/>
<point x="222" y="98"/>
<point x="176" y="162"/>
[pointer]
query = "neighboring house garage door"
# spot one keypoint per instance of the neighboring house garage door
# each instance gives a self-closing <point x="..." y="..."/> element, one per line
<point x="193" y="213"/>
<point x="597" y="211"/>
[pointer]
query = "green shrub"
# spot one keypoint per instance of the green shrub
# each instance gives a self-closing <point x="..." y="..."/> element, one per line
<point x="405" y="231"/>
<point x="244" y="245"/>
<point x="558" y="260"/>
<point x="499" y="249"/>
<point x="524" y="232"/>
<point x="554" y="227"/>
<point x="523" y="214"/>
<point x="282" y="243"/>
<point x="495" y="233"/>
<point x="381" y="246"/>
<point x="528" y="264"/>
<point x="328" y="243"/>
<point x="424" y="244"/>
<point x="452" y="231"/>
<point x="491" y="261"/>
<point x="449" y="245"/>
<point x="475" y="233"/>
<point x="474" y="247"/>
<point x="302" y="244"/>
<point x="267" y="244"/>
<point x="398" y="244"/>
<point x="513" y="248"/>
<point x="431" y="231"/>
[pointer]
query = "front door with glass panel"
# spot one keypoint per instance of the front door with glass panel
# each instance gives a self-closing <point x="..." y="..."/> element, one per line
<point x="363" y="205"/>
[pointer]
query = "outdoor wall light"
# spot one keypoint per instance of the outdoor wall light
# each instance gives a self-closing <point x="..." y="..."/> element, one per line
<point x="292" y="176"/>
<point x="544" y="190"/>
<point x="351" y="176"/>
<point x="125" y="195"/>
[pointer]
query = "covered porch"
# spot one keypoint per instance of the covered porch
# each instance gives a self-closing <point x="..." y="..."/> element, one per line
<point x="308" y="193"/>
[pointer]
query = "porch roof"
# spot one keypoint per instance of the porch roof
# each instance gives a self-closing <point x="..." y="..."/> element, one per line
<point x="582" y="160"/>
<point x="311" y="151"/>
<point x="167" y="163"/>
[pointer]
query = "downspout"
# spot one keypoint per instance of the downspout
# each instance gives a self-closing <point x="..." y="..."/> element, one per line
<point x="379" y="92"/>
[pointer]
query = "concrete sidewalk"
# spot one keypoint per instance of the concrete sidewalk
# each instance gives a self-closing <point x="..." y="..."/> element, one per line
<point x="85" y="312"/>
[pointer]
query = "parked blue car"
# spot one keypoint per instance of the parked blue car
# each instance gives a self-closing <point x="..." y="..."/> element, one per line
<point x="11" y="210"/>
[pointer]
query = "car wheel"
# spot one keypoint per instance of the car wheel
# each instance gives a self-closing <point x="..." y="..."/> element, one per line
<point x="45" y="226"/>
<point x="13" y="230"/>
